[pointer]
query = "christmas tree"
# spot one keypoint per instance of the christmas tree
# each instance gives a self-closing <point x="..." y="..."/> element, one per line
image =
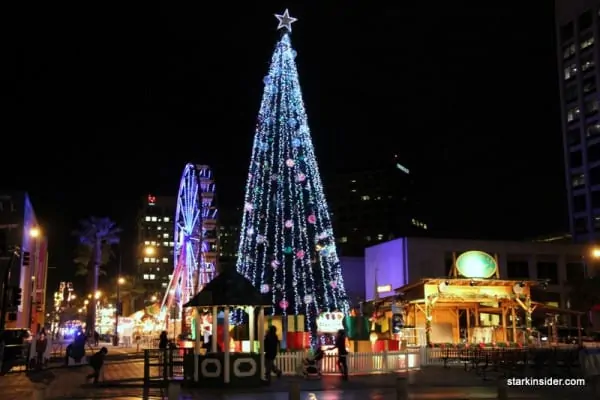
<point x="287" y="247"/>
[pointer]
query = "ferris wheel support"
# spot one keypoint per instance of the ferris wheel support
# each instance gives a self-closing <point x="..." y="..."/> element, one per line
<point x="196" y="246"/>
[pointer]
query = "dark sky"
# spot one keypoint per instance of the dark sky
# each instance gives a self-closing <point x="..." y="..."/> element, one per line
<point x="104" y="105"/>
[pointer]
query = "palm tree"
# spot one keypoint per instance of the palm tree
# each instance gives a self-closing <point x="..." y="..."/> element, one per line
<point x="84" y="258"/>
<point x="97" y="233"/>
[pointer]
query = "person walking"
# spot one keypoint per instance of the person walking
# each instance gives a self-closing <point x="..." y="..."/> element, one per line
<point x="97" y="362"/>
<point x="271" y="350"/>
<point x="340" y="344"/>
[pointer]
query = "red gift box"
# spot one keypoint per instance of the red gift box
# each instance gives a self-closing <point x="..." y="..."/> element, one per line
<point x="298" y="340"/>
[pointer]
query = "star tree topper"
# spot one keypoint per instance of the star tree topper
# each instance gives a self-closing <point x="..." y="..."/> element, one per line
<point x="285" y="21"/>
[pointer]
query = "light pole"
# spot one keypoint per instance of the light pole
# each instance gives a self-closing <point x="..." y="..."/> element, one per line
<point x="119" y="309"/>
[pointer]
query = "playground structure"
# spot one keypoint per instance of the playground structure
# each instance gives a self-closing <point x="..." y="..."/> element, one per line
<point x="196" y="246"/>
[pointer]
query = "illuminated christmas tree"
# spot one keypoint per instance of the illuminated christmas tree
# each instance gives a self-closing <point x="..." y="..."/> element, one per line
<point x="287" y="247"/>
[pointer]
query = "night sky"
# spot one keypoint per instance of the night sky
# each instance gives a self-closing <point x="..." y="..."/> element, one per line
<point x="106" y="105"/>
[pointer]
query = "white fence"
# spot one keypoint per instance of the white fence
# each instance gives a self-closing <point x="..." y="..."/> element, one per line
<point x="358" y="363"/>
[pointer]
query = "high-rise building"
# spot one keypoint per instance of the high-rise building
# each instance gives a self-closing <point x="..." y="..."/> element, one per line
<point x="229" y="236"/>
<point x="19" y="228"/>
<point x="155" y="242"/>
<point x="578" y="30"/>
<point x="374" y="205"/>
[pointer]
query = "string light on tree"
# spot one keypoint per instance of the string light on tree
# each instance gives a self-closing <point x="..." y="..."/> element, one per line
<point x="287" y="247"/>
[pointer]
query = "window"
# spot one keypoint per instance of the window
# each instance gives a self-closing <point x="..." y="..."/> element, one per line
<point x="573" y="137"/>
<point x="152" y="276"/>
<point x="566" y="32"/>
<point x="154" y="219"/>
<point x="593" y="130"/>
<point x="578" y="180"/>
<point x="171" y="244"/>
<point x="517" y="269"/>
<point x="549" y="271"/>
<point x="571" y="93"/>
<point x="343" y="239"/>
<point x="570" y="71"/>
<point x="152" y="260"/>
<point x="579" y="203"/>
<point x="575" y="159"/>
<point x="587" y="62"/>
<point x="165" y="235"/>
<point x="575" y="271"/>
<point x="165" y="243"/>
<point x="585" y="20"/>
<point x="586" y="42"/>
<point x="593" y="153"/>
<point x="166" y="219"/>
<point x="146" y="276"/>
<point x="588" y="84"/>
<point x="165" y="260"/>
<point x="569" y="51"/>
<point x="573" y="114"/>
<point x="590" y="107"/>
<point x="595" y="176"/>
<point x="380" y="236"/>
<point x="147" y="218"/>
<point x="147" y="243"/>
<point x="580" y="225"/>
<point x="595" y="199"/>
<point x="146" y="259"/>
<point x="365" y="198"/>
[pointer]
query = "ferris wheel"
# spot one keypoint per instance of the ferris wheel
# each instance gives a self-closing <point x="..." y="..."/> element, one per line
<point x="196" y="239"/>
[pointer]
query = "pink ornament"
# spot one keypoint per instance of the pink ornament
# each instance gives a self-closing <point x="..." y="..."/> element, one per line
<point x="301" y="177"/>
<point x="283" y="304"/>
<point x="289" y="162"/>
<point x="311" y="219"/>
<point x="289" y="223"/>
<point x="333" y="284"/>
<point x="300" y="254"/>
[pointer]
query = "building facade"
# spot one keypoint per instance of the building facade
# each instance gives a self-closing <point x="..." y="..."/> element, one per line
<point x="229" y="236"/>
<point x="396" y="263"/>
<point x="373" y="206"/>
<point x="19" y="227"/>
<point x="578" y="41"/>
<point x="155" y="242"/>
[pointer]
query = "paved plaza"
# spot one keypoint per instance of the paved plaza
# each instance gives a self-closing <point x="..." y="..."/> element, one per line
<point x="123" y="380"/>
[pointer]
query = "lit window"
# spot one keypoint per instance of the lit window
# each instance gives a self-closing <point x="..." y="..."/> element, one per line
<point x="165" y="260"/>
<point x="146" y="259"/>
<point x="165" y="243"/>
<point x="152" y="276"/>
<point x="153" y="243"/>
<point x="170" y="276"/>
<point x="343" y="239"/>
<point x="171" y="244"/>
<point x="153" y="260"/>
<point x="380" y="236"/>
<point x="159" y="228"/>
<point x="365" y="198"/>
<point x="353" y="190"/>
<point x="154" y="219"/>
<point x="164" y="284"/>
<point x="368" y="238"/>
<point x="147" y="218"/>
<point x="166" y="219"/>
<point x="157" y="269"/>
<point x="159" y="220"/>
<point x="165" y="235"/>
<point x="146" y="276"/>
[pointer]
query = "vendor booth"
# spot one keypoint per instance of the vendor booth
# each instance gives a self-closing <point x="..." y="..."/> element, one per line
<point x="220" y="364"/>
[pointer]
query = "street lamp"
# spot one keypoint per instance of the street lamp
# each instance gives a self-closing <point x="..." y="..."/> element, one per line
<point x="596" y="252"/>
<point x="119" y="309"/>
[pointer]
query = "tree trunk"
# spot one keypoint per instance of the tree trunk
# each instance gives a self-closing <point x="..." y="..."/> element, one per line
<point x="97" y="262"/>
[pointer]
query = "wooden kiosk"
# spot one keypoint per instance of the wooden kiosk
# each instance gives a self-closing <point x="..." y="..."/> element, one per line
<point x="227" y="292"/>
<point x="473" y="305"/>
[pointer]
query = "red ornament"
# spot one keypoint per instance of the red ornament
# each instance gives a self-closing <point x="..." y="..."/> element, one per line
<point x="283" y="304"/>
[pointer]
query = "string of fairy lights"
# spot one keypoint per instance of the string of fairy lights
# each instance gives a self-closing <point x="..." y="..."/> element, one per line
<point x="287" y="247"/>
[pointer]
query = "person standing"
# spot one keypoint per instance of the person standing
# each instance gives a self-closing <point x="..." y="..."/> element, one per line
<point x="271" y="350"/>
<point x="340" y="344"/>
<point x="163" y="340"/>
<point x="41" y="345"/>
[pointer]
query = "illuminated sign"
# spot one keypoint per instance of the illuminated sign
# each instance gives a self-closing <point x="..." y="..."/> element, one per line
<point x="476" y="264"/>
<point x="330" y="322"/>
<point x="151" y="200"/>
<point x="384" y="288"/>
